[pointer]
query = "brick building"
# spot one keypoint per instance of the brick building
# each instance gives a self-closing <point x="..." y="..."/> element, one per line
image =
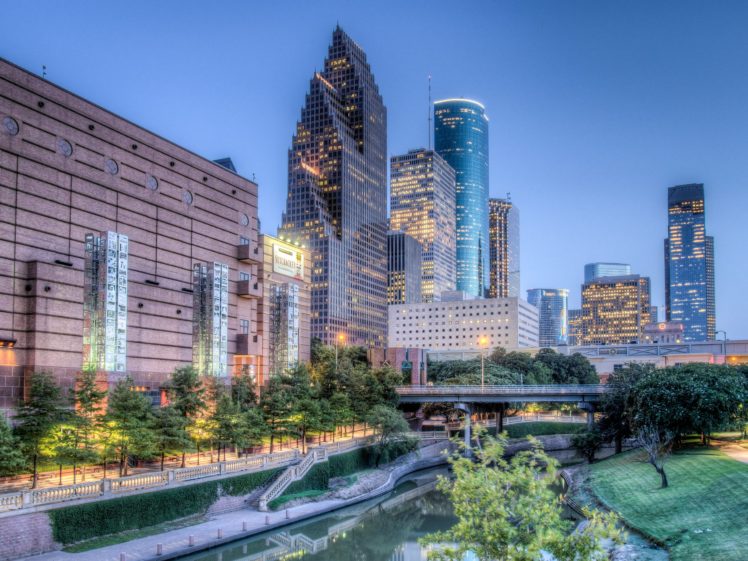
<point x="181" y="230"/>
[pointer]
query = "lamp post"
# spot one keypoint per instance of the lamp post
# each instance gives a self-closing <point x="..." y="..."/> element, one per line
<point x="339" y="340"/>
<point x="482" y="344"/>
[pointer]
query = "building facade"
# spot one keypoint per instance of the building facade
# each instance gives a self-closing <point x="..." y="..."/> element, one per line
<point x="283" y="313"/>
<point x="462" y="324"/>
<point x="461" y="138"/>
<point x="575" y="326"/>
<point x="422" y="204"/>
<point x="553" y="323"/>
<point x="503" y="253"/>
<point x="689" y="264"/>
<point x="594" y="271"/>
<point x="663" y="333"/>
<point x="337" y="197"/>
<point x="615" y="310"/>
<point x="403" y="269"/>
<point x="102" y="225"/>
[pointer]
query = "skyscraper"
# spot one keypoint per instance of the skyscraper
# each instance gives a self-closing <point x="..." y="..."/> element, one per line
<point x="461" y="138"/>
<point x="422" y="204"/>
<point x="337" y="197"/>
<point x="594" y="271"/>
<point x="552" y="305"/>
<point x="689" y="264"/>
<point x="503" y="254"/>
<point x="403" y="269"/>
<point x="615" y="310"/>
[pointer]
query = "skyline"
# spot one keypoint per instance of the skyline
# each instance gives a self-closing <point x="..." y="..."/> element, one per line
<point x="557" y="135"/>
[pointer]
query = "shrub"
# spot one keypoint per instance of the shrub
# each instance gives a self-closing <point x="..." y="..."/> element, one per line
<point x="81" y="522"/>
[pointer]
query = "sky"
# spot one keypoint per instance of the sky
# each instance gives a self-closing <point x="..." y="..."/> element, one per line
<point x="596" y="107"/>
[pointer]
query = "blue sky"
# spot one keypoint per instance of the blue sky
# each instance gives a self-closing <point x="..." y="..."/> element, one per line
<point x="596" y="107"/>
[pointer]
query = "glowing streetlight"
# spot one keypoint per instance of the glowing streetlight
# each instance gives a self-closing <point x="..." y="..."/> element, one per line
<point x="482" y="344"/>
<point x="339" y="340"/>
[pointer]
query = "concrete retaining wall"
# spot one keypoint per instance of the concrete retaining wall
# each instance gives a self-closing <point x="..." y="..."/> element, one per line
<point x="24" y="535"/>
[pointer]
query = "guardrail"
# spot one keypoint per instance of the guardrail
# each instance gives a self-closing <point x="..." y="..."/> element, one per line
<point x="21" y="500"/>
<point x="569" y="389"/>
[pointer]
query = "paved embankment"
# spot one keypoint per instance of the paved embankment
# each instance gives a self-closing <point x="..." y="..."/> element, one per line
<point x="241" y="524"/>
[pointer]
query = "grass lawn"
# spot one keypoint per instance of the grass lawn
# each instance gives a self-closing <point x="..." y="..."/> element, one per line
<point x="542" y="428"/>
<point x="702" y="515"/>
<point x="275" y="504"/>
<point x="122" y="537"/>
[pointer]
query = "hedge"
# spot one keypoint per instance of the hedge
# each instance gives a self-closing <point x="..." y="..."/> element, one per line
<point x="77" y="523"/>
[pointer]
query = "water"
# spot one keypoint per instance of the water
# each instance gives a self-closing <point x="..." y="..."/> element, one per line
<point x="383" y="529"/>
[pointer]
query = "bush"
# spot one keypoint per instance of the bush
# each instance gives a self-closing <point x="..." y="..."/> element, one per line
<point x="77" y="523"/>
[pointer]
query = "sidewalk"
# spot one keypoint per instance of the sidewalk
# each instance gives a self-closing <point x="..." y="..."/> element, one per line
<point x="176" y="542"/>
<point x="736" y="452"/>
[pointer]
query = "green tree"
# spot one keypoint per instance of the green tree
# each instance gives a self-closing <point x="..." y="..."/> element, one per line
<point x="229" y="423"/>
<point x="391" y="431"/>
<point x="170" y="432"/>
<point x="507" y="511"/>
<point x="11" y="458"/>
<point x="306" y="417"/>
<point x="341" y="413"/>
<point x="130" y="422"/>
<point x="275" y="403"/>
<point x="588" y="442"/>
<point x="38" y="415"/>
<point x="187" y="394"/>
<point x="618" y="403"/>
<point x="244" y="390"/>
<point x="88" y="396"/>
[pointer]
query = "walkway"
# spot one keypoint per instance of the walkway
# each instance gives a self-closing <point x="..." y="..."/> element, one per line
<point x="501" y="394"/>
<point x="736" y="452"/>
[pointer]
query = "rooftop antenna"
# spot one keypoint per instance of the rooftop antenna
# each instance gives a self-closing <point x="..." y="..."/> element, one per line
<point x="429" y="119"/>
<point x="44" y="71"/>
<point x="508" y="196"/>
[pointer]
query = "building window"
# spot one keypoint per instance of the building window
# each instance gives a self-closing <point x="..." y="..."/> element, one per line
<point x="244" y="326"/>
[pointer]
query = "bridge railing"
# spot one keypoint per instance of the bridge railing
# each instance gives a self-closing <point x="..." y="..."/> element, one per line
<point x="566" y="389"/>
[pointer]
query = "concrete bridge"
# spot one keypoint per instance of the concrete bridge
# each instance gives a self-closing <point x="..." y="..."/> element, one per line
<point x="496" y="398"/>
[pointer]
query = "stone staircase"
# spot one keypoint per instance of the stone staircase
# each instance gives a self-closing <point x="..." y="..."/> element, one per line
<point x="291" y="474"/>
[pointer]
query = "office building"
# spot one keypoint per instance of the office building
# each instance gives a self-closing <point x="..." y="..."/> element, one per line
<point x="689" y="264"/>
<point x="575" y="327"/>
<point x="461" y="324"/>
<point x="615" y="310"/>
<point x="503" y="253"/>
<point x="461" y="138"/>
<point x="552" y="305"/>
<point x="283" y="313"/>
<point x="422" y="204"/>
<point x="403" y="269"/>
<point x="663" y="333"/>
<point x="594" y="271"/>
<point x="337" y="197"/>
<point x="112" y="236"/>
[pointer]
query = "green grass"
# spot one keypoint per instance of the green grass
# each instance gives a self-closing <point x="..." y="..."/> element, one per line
<point x="543" y="428"/>
<point x="701" y="516"/>
<point x="275" y="504"/>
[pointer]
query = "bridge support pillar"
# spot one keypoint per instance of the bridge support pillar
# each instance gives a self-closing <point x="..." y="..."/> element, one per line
<point x="500" y="420"/>
<point x="467" y="408"/>
<point x="590" y="409"/>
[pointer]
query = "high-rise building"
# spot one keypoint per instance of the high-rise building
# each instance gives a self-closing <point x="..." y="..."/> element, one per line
<point x="552" y="305"/>
<point x="461" y="138"/>
<point x="503" y="254"/>
<point x="594" y="271"/>
<point x="615" y="310"/>
<point x="689" y="264"/>
<point x="337" y="197"/>
<point x="575" y="327"/>
<point x="422" y="204"/>
<point x="403" y="269"/>
<point x="102" y="223"/>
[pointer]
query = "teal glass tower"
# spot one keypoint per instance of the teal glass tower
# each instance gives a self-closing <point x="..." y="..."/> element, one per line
<point x="461" y="138"/>
<point x="689" y="264"/>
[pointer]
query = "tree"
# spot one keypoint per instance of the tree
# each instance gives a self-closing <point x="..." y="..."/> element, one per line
<point x="170" y="432"/>
<point x="341" y="413"/>
<point x="38" y="415"/>
<point x="244" y="390"/>
<point x="306" y="417"/>
<point x="658" y="444"/>
<point x="275" y="404"/>
<point x="618" y="403"/>
<point x="588" y="442"/>
<point x="11" y="458"/>
<point x="229" y="423"/>
<point x="507" y="511"/>
<point x="188" y="395"/>
<point x="390" y="428"/>
<point x="88" y="397"/>
<point x="130" y="423"/>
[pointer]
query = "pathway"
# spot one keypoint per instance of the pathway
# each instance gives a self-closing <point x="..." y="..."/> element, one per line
<point x="736" y="452"/>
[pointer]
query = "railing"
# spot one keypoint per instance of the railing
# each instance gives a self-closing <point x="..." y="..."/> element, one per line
<point x="141" y="481"/>
<point x="570" y="389"/>
<point x="67" y="493"/>
<point x="11" y="501"/>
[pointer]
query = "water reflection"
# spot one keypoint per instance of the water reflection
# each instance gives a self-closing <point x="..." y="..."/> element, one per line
<point x="386" y="529"/>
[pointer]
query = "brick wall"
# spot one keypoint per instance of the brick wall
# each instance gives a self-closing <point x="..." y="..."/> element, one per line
<point x="27" y="534"/>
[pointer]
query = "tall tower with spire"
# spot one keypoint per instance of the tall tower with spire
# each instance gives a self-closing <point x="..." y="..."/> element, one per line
<point x="337" y="197"/>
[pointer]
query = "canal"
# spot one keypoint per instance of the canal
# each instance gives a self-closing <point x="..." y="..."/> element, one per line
<point x="383" y="529"/>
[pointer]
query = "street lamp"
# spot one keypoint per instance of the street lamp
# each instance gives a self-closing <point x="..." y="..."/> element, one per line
<point x="339" y="340"/>
<point x="482" y="344"/>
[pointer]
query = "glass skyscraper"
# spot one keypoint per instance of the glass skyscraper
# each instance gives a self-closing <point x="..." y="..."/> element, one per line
<point x="615" y="310"/>
<point x="689" y="264"/>
<point x="503" y="254"/>
<point x="403" y="269"/>
<point x="461" y="138"/>
<point x="337" y="197"/>
<point x="552" y="305"/>
<point x="594" y="271"/>
<point x="422" y="204"/>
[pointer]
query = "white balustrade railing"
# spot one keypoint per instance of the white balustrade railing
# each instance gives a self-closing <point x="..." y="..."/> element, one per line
<point x="67" y="493"/>
<point x="11" y="501"/>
